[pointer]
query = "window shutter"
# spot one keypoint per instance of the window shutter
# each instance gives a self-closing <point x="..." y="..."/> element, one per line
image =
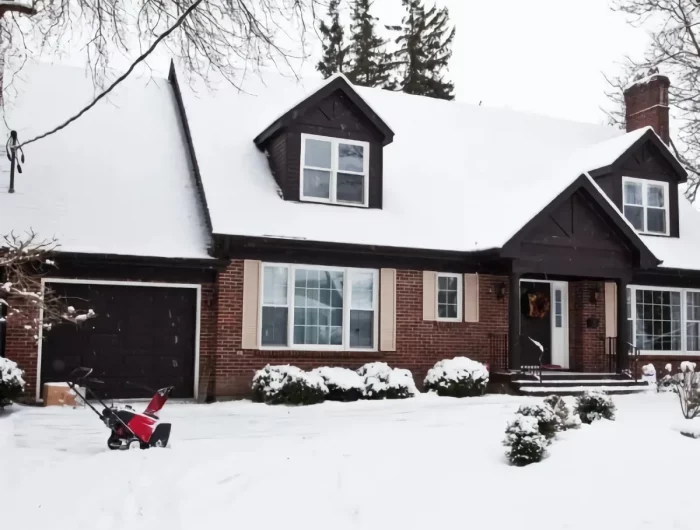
<point x="429" y="300"/>
<point x="610" y="310"/>
<point x="387" y="310"/>
<point x="251" y="306"/>
<point x="471" y="297"/>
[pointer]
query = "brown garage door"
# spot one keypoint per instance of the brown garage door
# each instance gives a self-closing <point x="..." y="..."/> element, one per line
<point x="143" y="336"/>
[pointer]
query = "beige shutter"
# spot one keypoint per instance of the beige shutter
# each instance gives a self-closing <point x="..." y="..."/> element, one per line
<point x="429" y="300"/>
<point x="251" y="307"/>
<point x="610" y="310"/>
<point x="471" y="297"/>
<point x="387" y="310"/>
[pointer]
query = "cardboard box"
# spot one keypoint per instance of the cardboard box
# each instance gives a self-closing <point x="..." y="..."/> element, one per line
<point x="59" y="394"/>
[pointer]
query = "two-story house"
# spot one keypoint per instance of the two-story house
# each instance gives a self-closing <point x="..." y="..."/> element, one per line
<point x="319" y="223"/>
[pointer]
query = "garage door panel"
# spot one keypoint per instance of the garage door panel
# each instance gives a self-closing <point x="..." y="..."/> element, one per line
<point x="143" y="335"/>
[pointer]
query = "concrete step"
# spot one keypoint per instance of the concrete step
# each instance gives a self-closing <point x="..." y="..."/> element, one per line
<point x="574" y="390"/>
<point x="581" y="382"/>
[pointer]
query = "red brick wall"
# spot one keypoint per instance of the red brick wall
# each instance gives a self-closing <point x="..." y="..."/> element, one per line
<point x="646" y="104"/>
<point x="21" y="345"/>
<point x="419" y="344"/>
<point x="586" y="344"/>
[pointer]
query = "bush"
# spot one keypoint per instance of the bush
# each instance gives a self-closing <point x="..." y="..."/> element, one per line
<point x="525" y="445"/>
<point x="567" y="419"/>
<point x="383" y="382"/>
<point x="288" y="385"/>
<point x="548" y="423"/>
<point x="458" y="377"/>
<point x="11" y="382"/>
<point x="593" y="405"/>
<point x="342" y="384"/>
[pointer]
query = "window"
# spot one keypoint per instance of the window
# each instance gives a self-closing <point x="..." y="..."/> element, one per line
<point x="558" y="317"/>
<point x="645" y="205"/>
<point x="334" y="170"/>
<point x="692" y="325"/>
<point x="658" y="320"/>
<point x="318" y="307"/>
<point x="449" y="296"/>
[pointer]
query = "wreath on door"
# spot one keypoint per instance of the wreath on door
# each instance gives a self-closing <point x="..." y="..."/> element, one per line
<point x="536" y="305"/>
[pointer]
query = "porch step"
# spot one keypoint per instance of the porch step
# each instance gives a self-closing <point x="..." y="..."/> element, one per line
<point x="572" y="384"/>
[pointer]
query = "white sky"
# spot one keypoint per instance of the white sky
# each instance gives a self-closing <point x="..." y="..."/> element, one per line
<point x="542" y="56"/>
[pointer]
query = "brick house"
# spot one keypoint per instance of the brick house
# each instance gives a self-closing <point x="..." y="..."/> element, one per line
<point x="327" y="224"/>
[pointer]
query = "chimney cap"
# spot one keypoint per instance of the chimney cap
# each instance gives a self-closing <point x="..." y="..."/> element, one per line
<point x="643" y="79"/>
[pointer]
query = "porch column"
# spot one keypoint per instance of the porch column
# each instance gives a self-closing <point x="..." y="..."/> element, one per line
<point x="514" y="321"/>
<point x="622" y="346"/>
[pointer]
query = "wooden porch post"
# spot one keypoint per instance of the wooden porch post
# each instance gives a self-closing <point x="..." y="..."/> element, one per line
<point x="622" y="347"/>
<point x="514" y="321"/>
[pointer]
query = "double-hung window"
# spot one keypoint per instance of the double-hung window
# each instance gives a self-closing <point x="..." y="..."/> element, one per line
<point x="312" y="307"/>
<point x="646" y="205"/>
<point x="334" y="170"/>
<point x="449" y="296"/>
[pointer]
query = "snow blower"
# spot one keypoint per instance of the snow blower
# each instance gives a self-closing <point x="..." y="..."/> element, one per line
<point x="129" y="429"/>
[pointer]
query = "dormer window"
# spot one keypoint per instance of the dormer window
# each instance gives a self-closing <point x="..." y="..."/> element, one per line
<point x="646" y="205"/>
<point x="334" y="170"/>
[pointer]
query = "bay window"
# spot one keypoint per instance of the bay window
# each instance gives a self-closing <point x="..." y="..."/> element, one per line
<point x="334" y="170"/>
<point x="664" y="320"/>
<point x="312" y="307"/>
<point x="645" y="205"/>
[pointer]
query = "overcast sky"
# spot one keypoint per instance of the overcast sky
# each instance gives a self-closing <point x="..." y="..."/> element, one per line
<point x="542" y="56"/>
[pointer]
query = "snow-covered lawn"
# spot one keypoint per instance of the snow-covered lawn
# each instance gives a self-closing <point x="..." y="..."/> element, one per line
<point x="426" y="462"/>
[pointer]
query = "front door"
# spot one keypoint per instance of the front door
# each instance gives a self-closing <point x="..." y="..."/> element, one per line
<point x="535" y="323"/>
<point x="560" y="324"/>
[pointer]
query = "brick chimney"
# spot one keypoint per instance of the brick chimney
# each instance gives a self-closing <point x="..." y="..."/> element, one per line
<point x="646" y="103"/>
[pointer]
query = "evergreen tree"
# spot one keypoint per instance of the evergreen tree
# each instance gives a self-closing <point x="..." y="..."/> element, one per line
<point x="425" y="47"/>
<point x="334" y="49"/>
<point x="370" y="64"/>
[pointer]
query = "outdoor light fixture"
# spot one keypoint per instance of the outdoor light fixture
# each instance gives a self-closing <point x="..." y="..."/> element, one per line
<point x="595" y="296"/>
<point x="501" y="293"/>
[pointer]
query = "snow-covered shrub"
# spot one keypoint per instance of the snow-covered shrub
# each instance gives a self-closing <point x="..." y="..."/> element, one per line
<point x="11" y="381"/>
<point x="458" y="377"/>
<point x="288" y="385"/>
<point x="686" y="384"/>
<point x="594" y="405"/>
<point x="525" y="445"/>
<point x="383" y="382"/>
<point x="548" y="422"/>
<point x="567" y="419"/>
<point x="342" y="384"/>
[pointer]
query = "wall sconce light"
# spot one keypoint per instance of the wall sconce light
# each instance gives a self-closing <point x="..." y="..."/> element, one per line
<point x="501" y="292"/>
<point x="595" y="296"/>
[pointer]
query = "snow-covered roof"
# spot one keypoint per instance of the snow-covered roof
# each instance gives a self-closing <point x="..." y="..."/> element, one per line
<point x="117" y="181"/>
<point x="457" y="177"/>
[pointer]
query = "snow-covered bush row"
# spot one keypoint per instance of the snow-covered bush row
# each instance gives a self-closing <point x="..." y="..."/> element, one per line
<point x="594" y="405"/>
<point x="343" y="384"/>
<point x="548" y="423"/>
<point x="567" y="419"/>
<point x="11" y="381"/>
<point x="383" y="382"/>
<point x="524" y="443"/>
<point x="288" y="385"/>
<point x="458" y="377"/>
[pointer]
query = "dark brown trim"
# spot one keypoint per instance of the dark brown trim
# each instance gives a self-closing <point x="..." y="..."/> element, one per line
<point x="512" y="249"/>
<point x="514" y="321"/>
<point x="339" y="83"/>
<point x="172" y="77"/>
<point x="650" y="135"/>
<point x="680" y="278"/>
<point x="319" y="252"/>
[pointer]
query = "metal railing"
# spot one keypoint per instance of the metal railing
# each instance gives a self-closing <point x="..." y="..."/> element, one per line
<point x="498" y="352"/>
<point x="610" y="359"/>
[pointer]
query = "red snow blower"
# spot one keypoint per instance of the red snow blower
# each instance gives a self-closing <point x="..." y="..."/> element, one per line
<point x="130" y="429"/>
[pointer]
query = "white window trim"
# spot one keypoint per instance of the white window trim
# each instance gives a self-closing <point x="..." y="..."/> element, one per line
<point x="460" y="296"/>
<point x="334" y="170"/>
<point x="684" y="313"/>
<point x="347" y="295"/>
<point x="667" y="204"/>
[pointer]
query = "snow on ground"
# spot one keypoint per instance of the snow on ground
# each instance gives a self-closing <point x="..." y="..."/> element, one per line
<point x="418" y="463"/>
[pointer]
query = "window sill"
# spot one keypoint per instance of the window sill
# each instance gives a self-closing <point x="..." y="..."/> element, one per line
<point x="653" y="353"/>
<point x="331" y="203"/>
<point x="282" y="353"/>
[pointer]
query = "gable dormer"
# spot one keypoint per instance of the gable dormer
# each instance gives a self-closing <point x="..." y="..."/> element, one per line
<point x="329" y="148"/>
<point x="643" y="183"/>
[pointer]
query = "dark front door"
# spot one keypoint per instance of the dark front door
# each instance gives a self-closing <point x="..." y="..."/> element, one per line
<point x="535" y="323"/>
<point x="143" y="336"/>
